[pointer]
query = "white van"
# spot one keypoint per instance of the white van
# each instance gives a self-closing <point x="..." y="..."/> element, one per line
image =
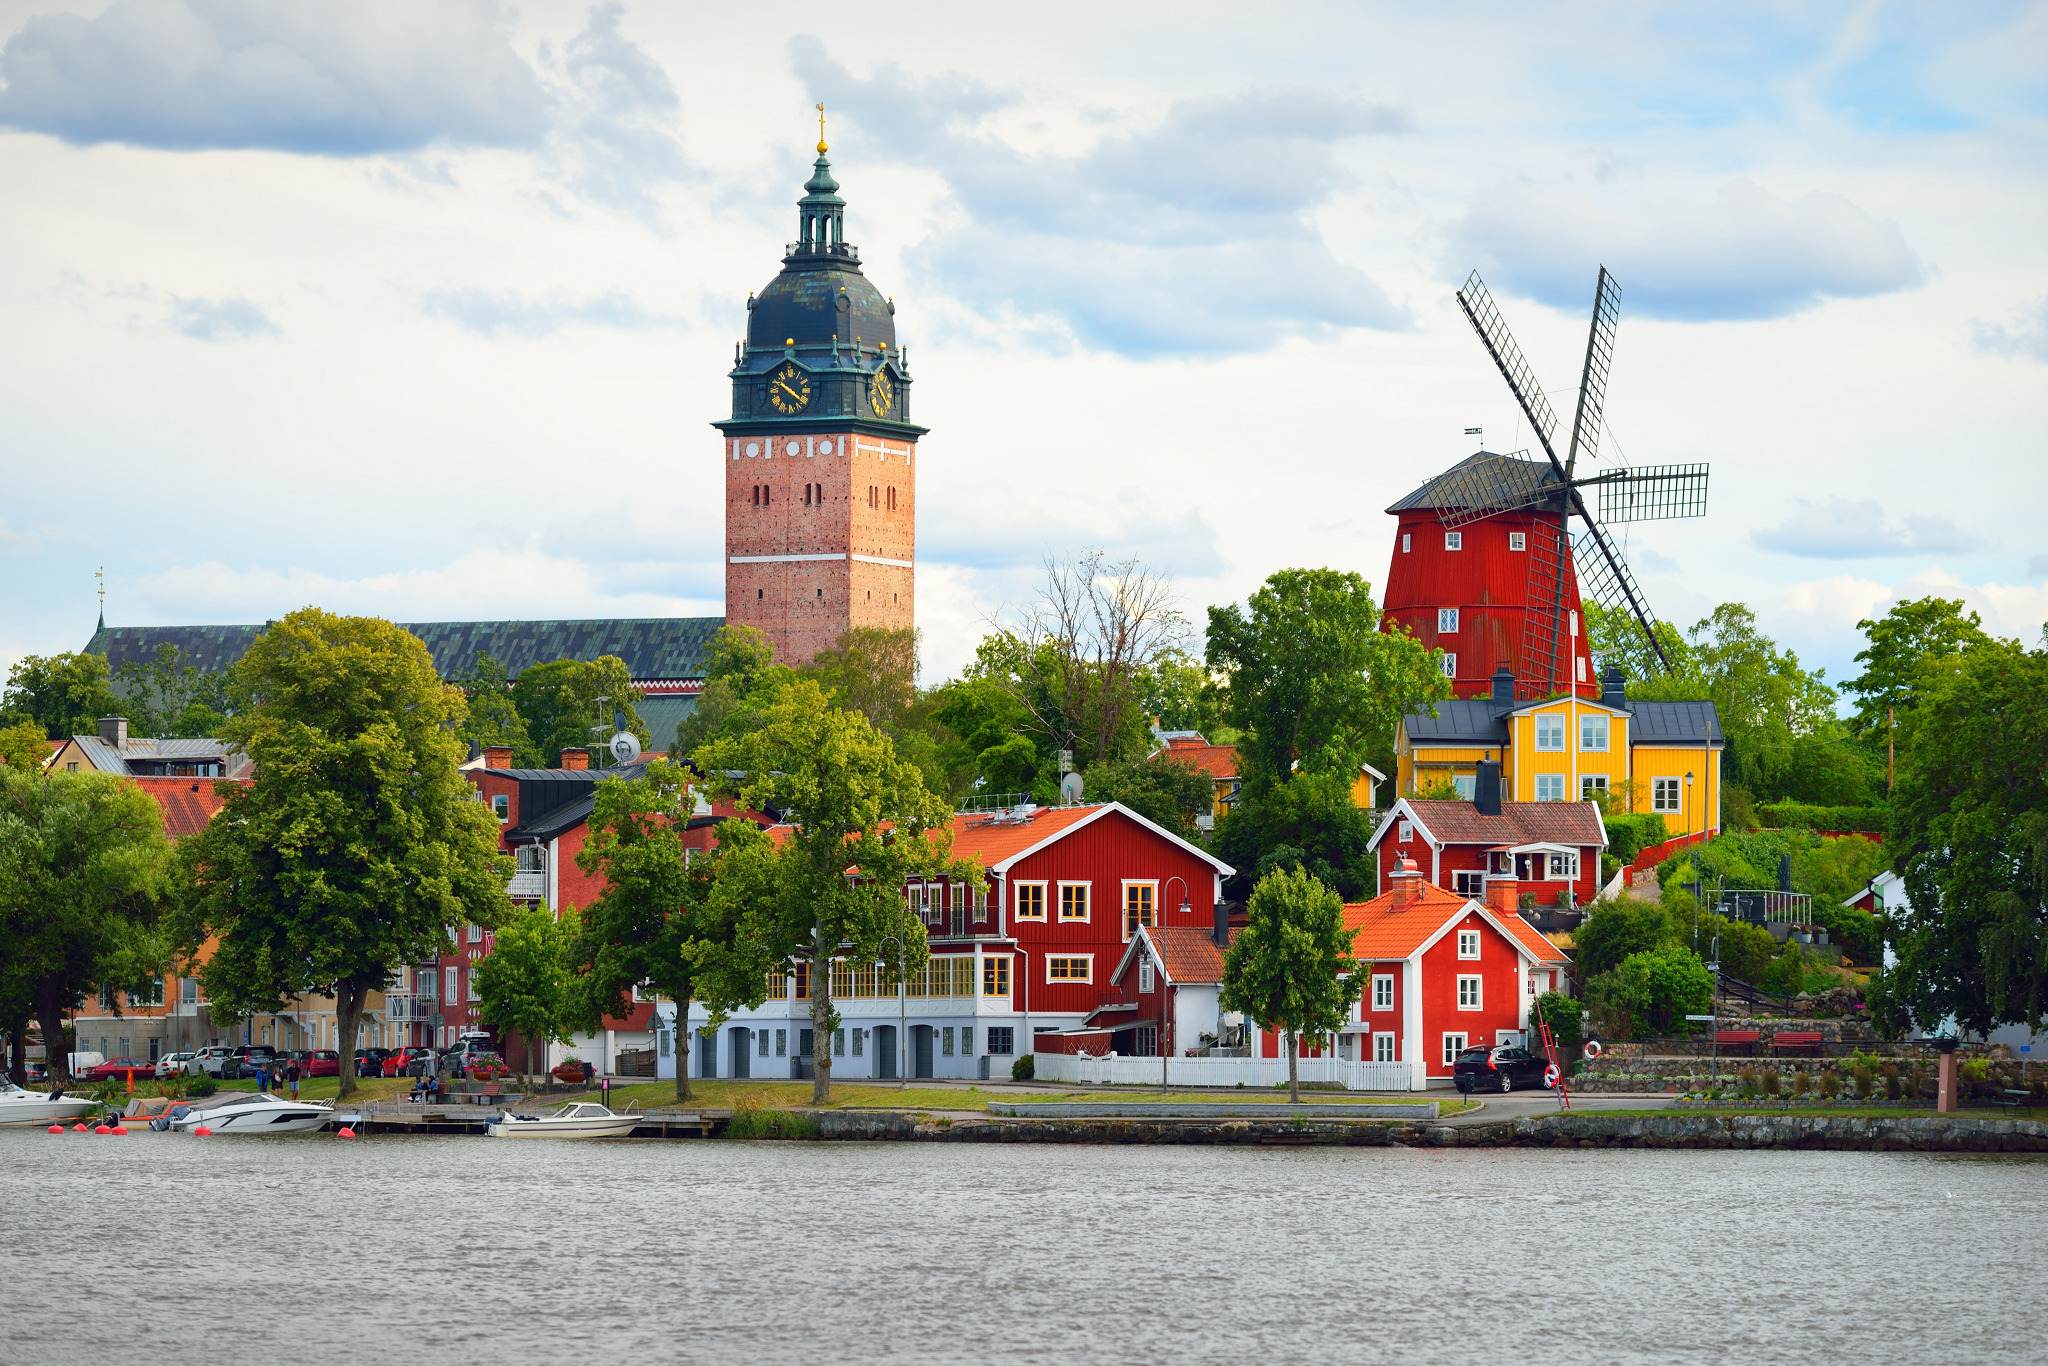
<point x="78" y="1064"/>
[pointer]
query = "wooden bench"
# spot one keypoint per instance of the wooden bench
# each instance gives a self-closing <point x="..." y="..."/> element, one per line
<point x="1793" y="1038"/>
<point x="2014" y="1101"/>
<point x="490" y="1092"/>
<point x="1732" y="1038"/>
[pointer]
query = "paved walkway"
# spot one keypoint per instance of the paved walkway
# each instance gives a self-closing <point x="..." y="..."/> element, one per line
<point x="1528" y="1104"/>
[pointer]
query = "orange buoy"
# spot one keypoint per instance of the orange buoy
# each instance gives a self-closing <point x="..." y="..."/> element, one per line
<point x="202" y="1131"/>
<point x="346" y="1132"/>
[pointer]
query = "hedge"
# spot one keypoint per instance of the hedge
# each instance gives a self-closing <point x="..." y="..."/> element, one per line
<point x="1800" y="816"/>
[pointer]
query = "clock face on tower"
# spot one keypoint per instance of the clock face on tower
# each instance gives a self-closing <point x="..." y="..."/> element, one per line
<point x="881" y="393"/>
<point x="789" y="389"/>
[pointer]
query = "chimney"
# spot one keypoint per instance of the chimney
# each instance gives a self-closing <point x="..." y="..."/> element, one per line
<point x="497" y="756"/>
<point x="1614" y="688"/>
<point x="1504" y="895"/>
<point x="114" y="730"/>
<point x="1407" y="882"/>
<point x="1222" y="930"/>
<point x="1503" y="687"/>
<point x="1486" y="788"/>
<point x="576" y="758"/>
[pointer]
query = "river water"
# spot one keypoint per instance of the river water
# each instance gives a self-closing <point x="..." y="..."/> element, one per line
<point x="400" y="1250"/>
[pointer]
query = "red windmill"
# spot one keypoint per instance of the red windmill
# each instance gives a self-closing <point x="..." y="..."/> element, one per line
<point x="1486" y="565"/>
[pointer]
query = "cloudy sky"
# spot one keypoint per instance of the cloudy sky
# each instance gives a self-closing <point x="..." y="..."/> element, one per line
<point x="422" y="307"/>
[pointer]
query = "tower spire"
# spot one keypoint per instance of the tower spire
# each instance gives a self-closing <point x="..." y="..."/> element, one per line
<point x="821" y="130"/>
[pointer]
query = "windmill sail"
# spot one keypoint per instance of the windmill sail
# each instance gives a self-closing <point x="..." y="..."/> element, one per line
<point x="1652" y="493"/>
<point x="1593" y="379"/>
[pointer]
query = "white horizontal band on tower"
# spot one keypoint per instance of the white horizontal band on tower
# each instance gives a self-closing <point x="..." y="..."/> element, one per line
<point x="793" y="559"/>
<point x="877" y="559"/>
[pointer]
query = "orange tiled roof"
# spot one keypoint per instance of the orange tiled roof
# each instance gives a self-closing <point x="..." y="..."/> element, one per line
<point x="187" y="803"/>
<point x="1534" y="942"/>
<point x="1188" y="952"/>
<point x="1218" y="761"/>
<point x="1388" y="930"/>
<point x="981" y="836"/>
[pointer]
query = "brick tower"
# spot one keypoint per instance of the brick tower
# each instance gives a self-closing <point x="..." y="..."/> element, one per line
<point x="820" y="474"/>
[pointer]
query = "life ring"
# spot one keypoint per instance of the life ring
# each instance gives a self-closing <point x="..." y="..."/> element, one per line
<point x="1550" y="1075"/>
<point x="1592" y="1049"/>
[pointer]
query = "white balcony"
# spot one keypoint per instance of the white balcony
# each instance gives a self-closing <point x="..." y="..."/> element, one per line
<point x="527" y="886"/>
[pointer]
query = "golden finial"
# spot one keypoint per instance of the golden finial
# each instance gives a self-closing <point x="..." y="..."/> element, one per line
<point x="821" y="130"/>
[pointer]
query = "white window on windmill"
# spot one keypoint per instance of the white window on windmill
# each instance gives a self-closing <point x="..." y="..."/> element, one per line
<point x="1447" y="620"/>
<point x="1518" y="540"/>
<point x="1404" y="543"/>
<point x="1450" y="666"/>
<point x="1454" y="540"/>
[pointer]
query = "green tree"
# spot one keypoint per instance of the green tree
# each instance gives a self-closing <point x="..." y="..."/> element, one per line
<point x="872" y="670"/>
<point x="1652" y="991"/>
<point x="1909" y="646"/>
<point x="1563" y="1013"/>
<point x="1310" y="823"/>
<point x="65" y="694"/>
<point x="1970" y="837"/>
<point x="361" y="841"/>
<point x="164" y="696"/>
<point x="84" y="868"/>
<point x="1615" y="929"/>
<point x="740" y="677"/>
<point x="1310" y="679"/>
<point x="523" y="983"/>
<point x="1164" y="791"/>
<point x="23" y="747"/>
<point x="493" y="717"/>
<point x="567" y="703"/>
<point x="653" y="903"/>
<point x="1181" y="694"/>
<point x="998" y="749"/>
<point x="861" y="821"/>
<point x="1291" y="968"/>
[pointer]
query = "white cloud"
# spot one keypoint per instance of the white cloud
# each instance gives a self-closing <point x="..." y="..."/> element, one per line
<point x="2025" y="339"/>
<point x="1850" y="529"/>
<point x="212" y="320"/>
<point x="286" y="75"/>
<point x="1742" y="254"/>
<point x="1833" y="606"/>
<point x="496" y="314"/>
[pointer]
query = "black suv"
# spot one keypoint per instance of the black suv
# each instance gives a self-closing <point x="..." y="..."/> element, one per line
<point x="245" y="1062"/>
<point x="1498" y="1069"/>
<point x="370" y="1061"/>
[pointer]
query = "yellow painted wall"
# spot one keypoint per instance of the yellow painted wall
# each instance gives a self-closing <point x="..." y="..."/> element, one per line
<point x="1701" y="804"/>
<point x="1612" y="763"/>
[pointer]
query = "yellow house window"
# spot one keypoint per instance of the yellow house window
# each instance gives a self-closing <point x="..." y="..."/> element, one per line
<point x="1592" y="787"/>
<point x="1550" y="731"/>
<point x="1593" y="732"/>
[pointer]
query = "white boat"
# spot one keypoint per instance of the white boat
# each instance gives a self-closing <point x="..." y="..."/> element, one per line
<point x="39" y="1107"/>
<point x="581" y="1120"/>
<point x="261" y="1113"/>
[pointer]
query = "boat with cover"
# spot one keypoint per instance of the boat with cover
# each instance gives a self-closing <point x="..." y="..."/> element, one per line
<point x="261" y="1113"/>
<point x="18" y="1106"/>
<point x="583" y="1119"/>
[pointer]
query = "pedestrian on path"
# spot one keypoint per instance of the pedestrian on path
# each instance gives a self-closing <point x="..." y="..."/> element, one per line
<point x="291" y="1076"/>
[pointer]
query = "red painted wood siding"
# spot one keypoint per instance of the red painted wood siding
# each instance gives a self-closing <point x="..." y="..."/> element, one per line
<point x="1441" y="968"/>
<point x="1383" y="1021"/>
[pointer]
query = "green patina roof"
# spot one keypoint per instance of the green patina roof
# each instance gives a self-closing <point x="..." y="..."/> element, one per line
<point x="652" y="647"/>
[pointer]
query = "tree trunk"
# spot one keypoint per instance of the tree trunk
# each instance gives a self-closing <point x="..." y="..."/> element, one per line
<point x="821" y="1011"/>
<point x="1293" y="1068"/>
<point x="349" y="996"/>
<point x="683" y="1041"/>
<point x="50" y="1015"/>
<point x="17" y="1055"/>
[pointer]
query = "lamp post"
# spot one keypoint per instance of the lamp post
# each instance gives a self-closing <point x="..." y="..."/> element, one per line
<point x="1165" y="1048"/>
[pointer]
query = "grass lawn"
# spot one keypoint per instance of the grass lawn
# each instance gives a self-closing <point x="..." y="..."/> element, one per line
<point x="318" y="1088"/>
<point x="1128" y="1095"/>
<point x="1839" y="1112"/>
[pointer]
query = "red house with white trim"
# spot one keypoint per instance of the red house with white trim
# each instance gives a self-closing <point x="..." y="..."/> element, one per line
<point x="1550" y="849"/>
<point x="1443" y="972"/>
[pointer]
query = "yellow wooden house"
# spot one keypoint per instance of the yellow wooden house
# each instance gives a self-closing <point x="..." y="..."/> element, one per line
<point x="1661" y="757"/>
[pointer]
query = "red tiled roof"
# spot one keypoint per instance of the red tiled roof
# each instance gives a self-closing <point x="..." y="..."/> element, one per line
<point x="188" y="803"/>
<point x="1534" y="942"/>
<point x="1218" y="761"/>
<point x="1576" y="823"/>
<point x="1389" y="929"/>
<point x="1188" y="952"/>
<point x="980" y="835"/>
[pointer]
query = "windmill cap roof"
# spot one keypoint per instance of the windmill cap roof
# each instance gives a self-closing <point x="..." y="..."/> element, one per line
<point x="1441" y="492"/>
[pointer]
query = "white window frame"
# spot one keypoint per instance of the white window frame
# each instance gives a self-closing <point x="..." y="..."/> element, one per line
<point x="1550" y="732"/>
<point x="470" y="982"/>
<point x="1471" y="991"/>
<point x="1591" y="724"/>
<point x="1385" y="1045"/>
<point x="1145" y="976"/>
<point x="1590" y="783"/>
<point x="1667" y="795"/>
<point x="1087" y="958"/>
<point x="1561" y="867"/>
<point x="1467" y="785"/>
<point x="1454" y="540"/>
<point x="476" y="934"/>
<point x="1470" y="882"/>
<point x="1452" y="1050"/>
<point x="501" y="807"/>
<point x="1404" y="551"/>
<point x="1383" y="991"/>
<point x="1468" y="946"/>
<point x="453" y="994"/>
<point x="1087" y="904"/>
<point x="1450" y="664"/>
<point x="1405" y="833"/>
<point x="1038" y="919"/>
<point x="1518" y="540"/>
<point x="1447" y="621"/>
<point x="1552" y="783"/>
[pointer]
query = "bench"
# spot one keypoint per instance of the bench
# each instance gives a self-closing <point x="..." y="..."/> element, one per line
<point x="1799" y="1039"/>
<point x="2014" y="1101"/>
<point x="1732" y="1038"/>
<point x="489" y="1092"/>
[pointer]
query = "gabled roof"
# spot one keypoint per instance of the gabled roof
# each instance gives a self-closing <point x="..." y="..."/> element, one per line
<point x="1187" y="954"/>
<point x="1388" y="929"/>
<point x="1188" y="747"/>
<point x="187" y="803"/>
<point x="1534" y="942"/>
<point x="1480" y="722"/>
<point x="1577" y="824"/>
<point x="1674" y="723"/>
<point x="1471" y="721"/>
<point x="999" y="842"/>
<point x="1451" y="489"/>
<point x="105" y="758"/>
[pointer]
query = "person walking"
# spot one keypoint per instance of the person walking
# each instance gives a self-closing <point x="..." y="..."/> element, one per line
<point x="291" y="1077"/>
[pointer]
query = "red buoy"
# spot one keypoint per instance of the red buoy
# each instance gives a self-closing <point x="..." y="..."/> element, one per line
<point x="56" y="1128"/>
<point x="79" y="1127"/>
<point x="346" y="1132"/>
<point x="118" y="1129"/>
<point x="101" y="1129"/>
<point x="202" y="1131"/>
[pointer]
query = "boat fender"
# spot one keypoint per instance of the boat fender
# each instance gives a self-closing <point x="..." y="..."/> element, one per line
<point x="202" y="1131"/>
<point x="346" y="1132"/>
<point x="1550" y="1075"/>
<point x="1592" y="1049"/>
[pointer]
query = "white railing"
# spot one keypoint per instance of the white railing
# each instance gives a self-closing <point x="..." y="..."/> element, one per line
<point x="527" y="884"/>
<point x="1073" y="1069"/>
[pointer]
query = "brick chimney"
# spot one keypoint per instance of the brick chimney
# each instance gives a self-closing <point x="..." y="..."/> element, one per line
<point x="1503" y="894"/>
<point x="114" y="731"/>
<point x="575" y="758"/>
<point x="1407" y="882"/>
<point x="497" y="756"/>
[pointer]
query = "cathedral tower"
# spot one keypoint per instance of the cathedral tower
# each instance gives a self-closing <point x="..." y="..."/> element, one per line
<point x="820" y="474"/>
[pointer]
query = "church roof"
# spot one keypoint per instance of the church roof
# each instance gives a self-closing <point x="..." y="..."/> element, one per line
<point x="652" y="647"/>
<point x="820" y="292"/>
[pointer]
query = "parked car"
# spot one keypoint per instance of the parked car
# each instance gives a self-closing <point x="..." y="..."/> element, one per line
<point x="406" y="1062"/>
<point x="213" y="1059"/>
<point x="120" y="1068"/>
<point x="321" y="1062"/>
<point x="247" y="1061"/>
<point x="370" y="1061"/>
<point x="36" y="1071"/>
<point x="171" y="1064"/>
<point x="1497" y="1069"/>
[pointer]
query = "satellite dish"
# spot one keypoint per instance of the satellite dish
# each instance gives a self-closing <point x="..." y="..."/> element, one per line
<point x="625" y="747"/>
<point x="1070" y="788"/>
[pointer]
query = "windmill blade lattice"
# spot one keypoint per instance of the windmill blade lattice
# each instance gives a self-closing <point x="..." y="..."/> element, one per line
<point x="1514" y="367"/>
<point x="1605" y="576"/>
<point x="1653" y="493"/>
<point x="1593" y="380"/>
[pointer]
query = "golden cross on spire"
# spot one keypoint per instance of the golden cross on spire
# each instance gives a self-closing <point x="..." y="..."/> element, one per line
<point x="821" y="130"/>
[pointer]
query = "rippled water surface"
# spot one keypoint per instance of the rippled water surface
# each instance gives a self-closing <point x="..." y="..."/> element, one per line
<point x="400" y="1250"/>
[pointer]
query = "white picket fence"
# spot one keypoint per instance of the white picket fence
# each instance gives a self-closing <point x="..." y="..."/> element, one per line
<point x="1072" y="1069"/>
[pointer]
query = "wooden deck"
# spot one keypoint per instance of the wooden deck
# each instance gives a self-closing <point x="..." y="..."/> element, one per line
<point x="405" y="1117"/>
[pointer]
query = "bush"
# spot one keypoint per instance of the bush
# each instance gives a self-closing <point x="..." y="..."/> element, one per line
<point x="1628" y="836"/>
<point x="1652" y="991"/>
<point x="1615" y="929"/>
<point x="203" y="1086"/>
<point x="1786" y="974"/>
<point x="1799" y="816"/>
<point x="1024" y="1068"/>
<point x="1563" y="1014"/>
<point x="753" y="1122"/>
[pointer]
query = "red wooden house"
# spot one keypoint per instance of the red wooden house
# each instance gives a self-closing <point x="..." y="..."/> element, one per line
<point x="1442" y="972"/>
<point x="1546" y="849"/>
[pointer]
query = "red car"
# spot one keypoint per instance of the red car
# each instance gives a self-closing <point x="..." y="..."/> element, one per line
<point x="400" y="1063"/>
<point x="322" y="1062"/>
<point x="119" y="1067"/>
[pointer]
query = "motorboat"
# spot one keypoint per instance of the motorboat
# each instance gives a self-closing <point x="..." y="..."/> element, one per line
<point x="580" y="1120"/>
<point x="40" y="1107"/>
<point x="261" y="1113"/>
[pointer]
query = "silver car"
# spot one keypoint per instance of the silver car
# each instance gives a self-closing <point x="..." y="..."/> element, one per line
<point x="210" y="1059"/>
<point x="170" y="1064"/>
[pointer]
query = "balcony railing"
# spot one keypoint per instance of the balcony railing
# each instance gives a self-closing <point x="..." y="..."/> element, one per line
<point x="1759" y="906"/>
<point x="532" y="885"/>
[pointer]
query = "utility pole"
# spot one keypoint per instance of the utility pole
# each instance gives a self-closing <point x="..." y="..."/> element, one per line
<point x="1891" y="751"/>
